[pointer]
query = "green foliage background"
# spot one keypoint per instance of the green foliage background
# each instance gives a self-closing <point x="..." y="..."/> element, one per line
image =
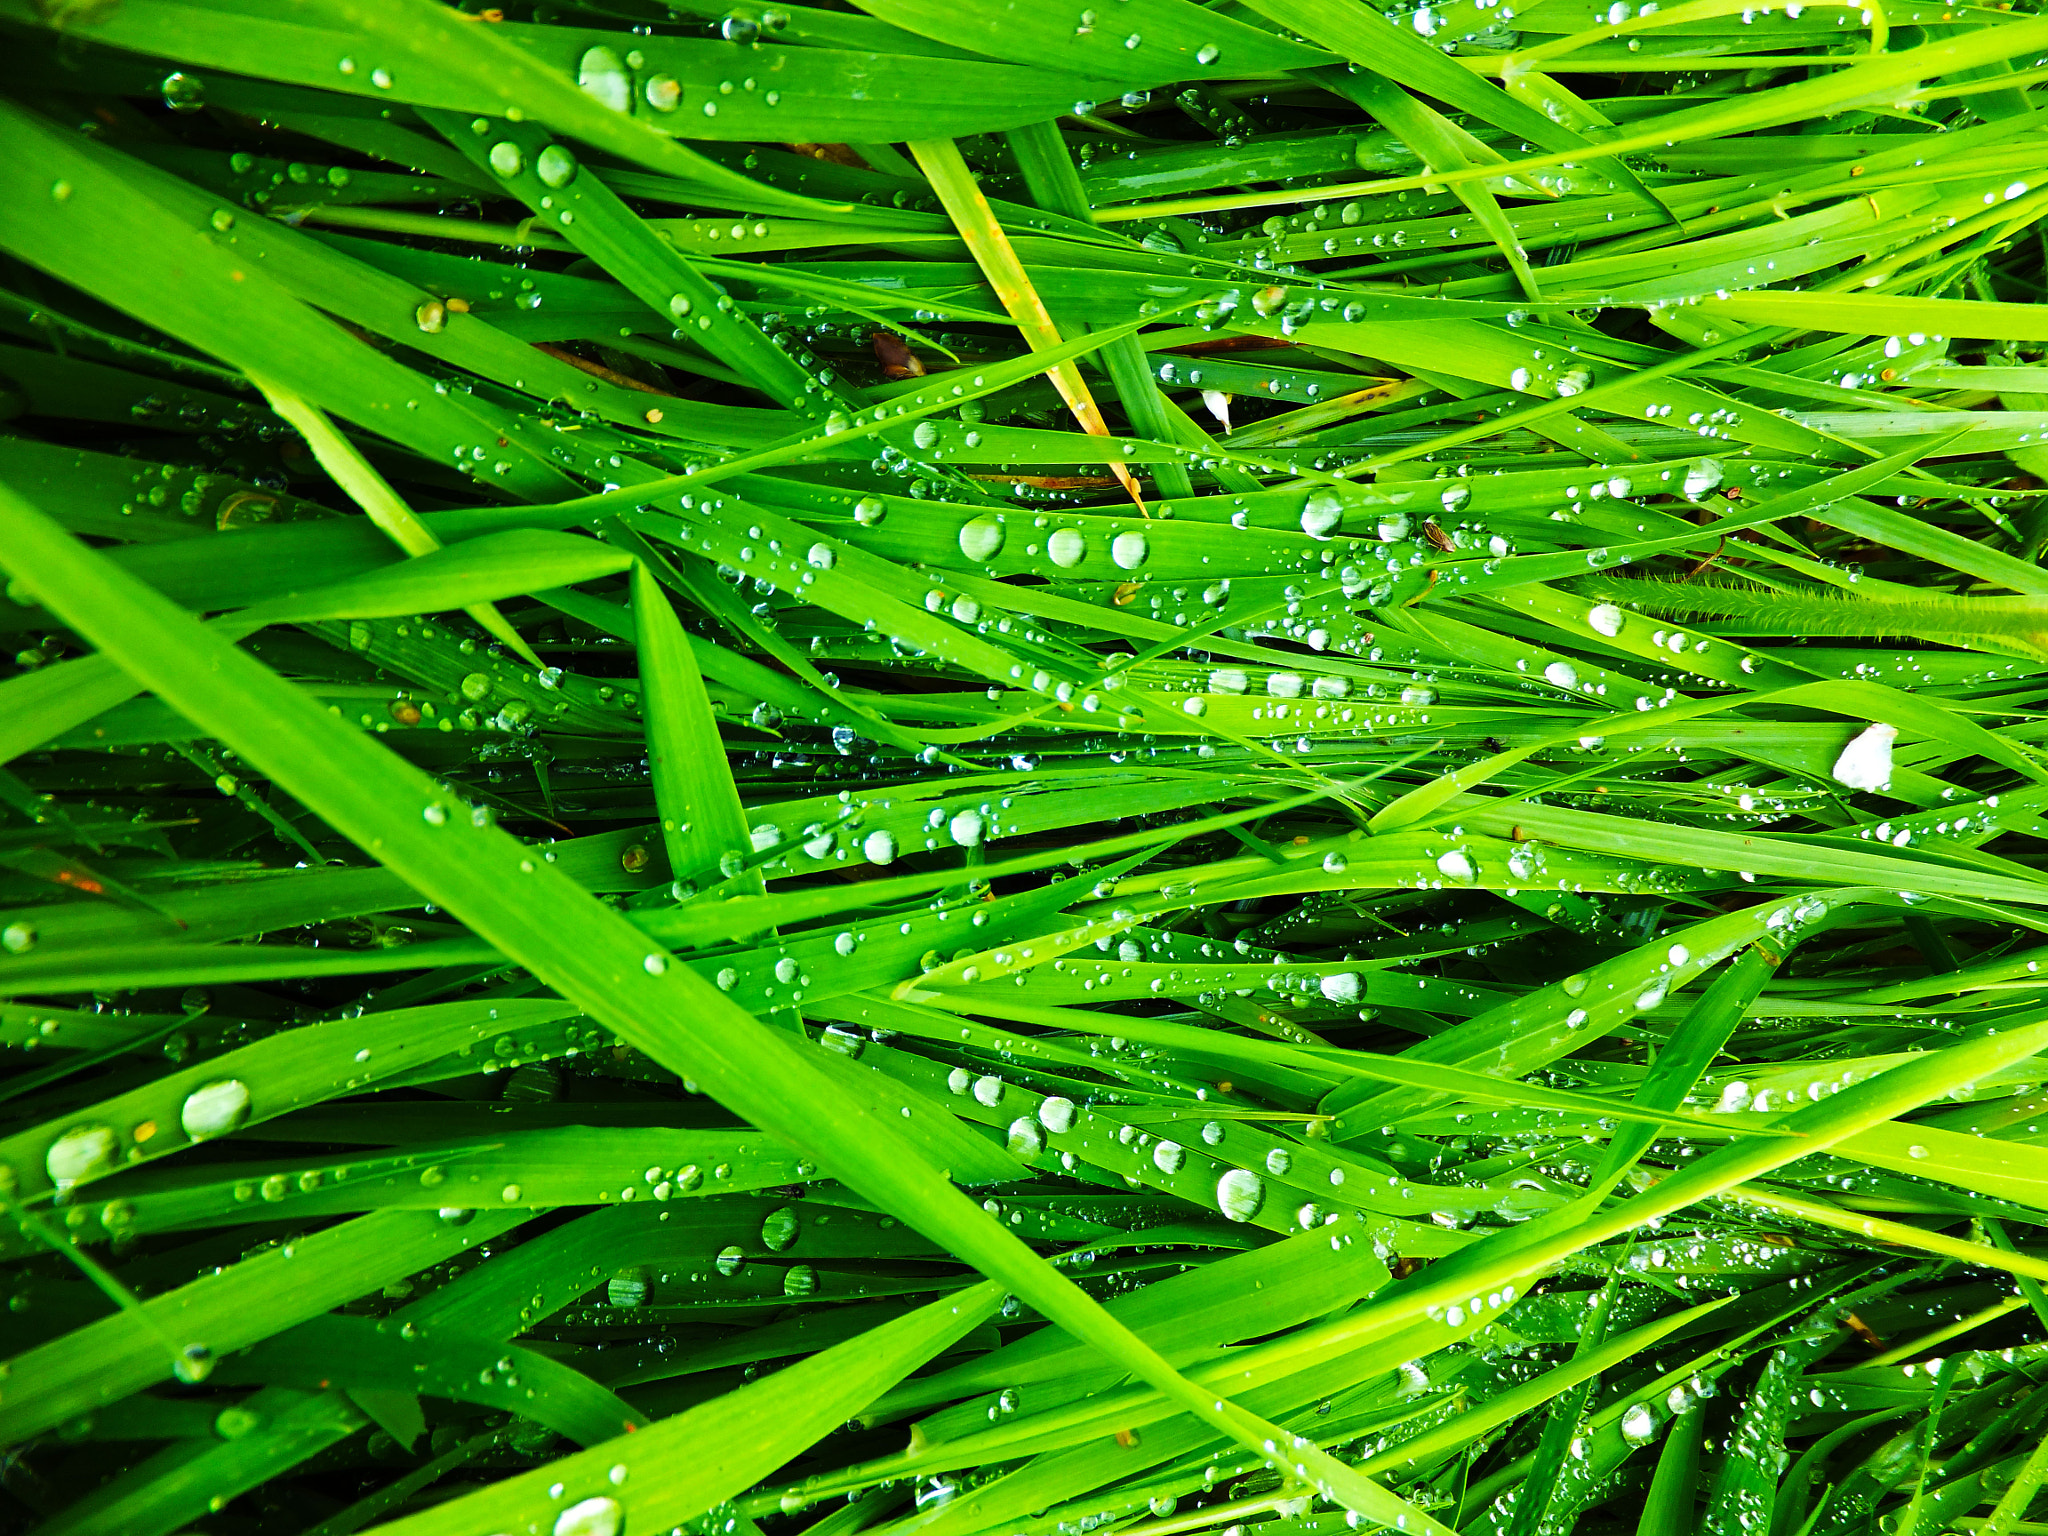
<point x="1000" y="769"/>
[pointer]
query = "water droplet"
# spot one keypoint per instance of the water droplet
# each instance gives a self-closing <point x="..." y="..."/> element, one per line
<point x="1701" y="477"/>
<point x="870" y="510"/>
<point x="967" y="828"/>
<point x="193" y="1363"/>
<point x="1457" y="865"/>
<point x="1322" y="515"/>
<point x="215" y="1108"/>
<point x="879" y="846"/>
<point x="1208" y="53"/>
<point x="431" y="316"/>
<point x="988" y="1090"/>
<point x="1638" y="1424"/>
<point x="600" y="1516"/>
<point x="1562" y="674"/>
<point x="1239" y="1194"/>
<point x="1866" y="762"/>
<point x="1343" y="987"/>
<point x="81" y="1153"/>
<point x="799" y="1280"/>
<point x="183" y="92"/>
<point x="1169" y="1156"/>
<point x="507" y="159"/>
<point x="1129" y="549"/>
<point x="1057" y="1115"/>
<point x="555" y="166"/>
<point x="1606" y="619"/>
<point x="1025" y="1138"/>
<point x="779" y="1228"/>
<point x="602" y="75"/>
<point x="18" y="938"/>
<point x="981" y="539"/>
<point x="664" y="93"/>
<point x="1066" y="548"/>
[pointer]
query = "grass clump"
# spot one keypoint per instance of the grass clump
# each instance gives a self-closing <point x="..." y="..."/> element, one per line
<point x="825" y="770"/>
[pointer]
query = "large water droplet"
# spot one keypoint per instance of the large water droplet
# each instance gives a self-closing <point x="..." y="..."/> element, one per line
<point x="507" y="159"/>
<point x="600" y="1516"/>
<point x="870" y="510"/>
<point x="799" y="1280"/>
<point x="879" y="847"/>
<point x="1701" y="477"/>
<point x="1057" y="1115"/>
<point x="1866" y="762"/>
<point x="1344" y="987"/>
<point x="1638" y="1424"/>
<point x="602" y="75"/>
<point x="1025" y="1138"/>
<point x="1607" y="619"/>
<point x="1129" y="549"/>
<point x="1066" y="547"/>
<point x="779" y="1228"/>
<point x="981" y="539"/>
<point x="215" y="1108"/>
<point x="193" y="1363"/>
<point x="1240" y="1193"/>
<point x="1322" y="515"/>
<point x="80" y="1153"/>
<point x="1169" y="1156"/>
<point x="183" y="92"/>
<point x="967" y="828"/>
<point x="555" y="166"/>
